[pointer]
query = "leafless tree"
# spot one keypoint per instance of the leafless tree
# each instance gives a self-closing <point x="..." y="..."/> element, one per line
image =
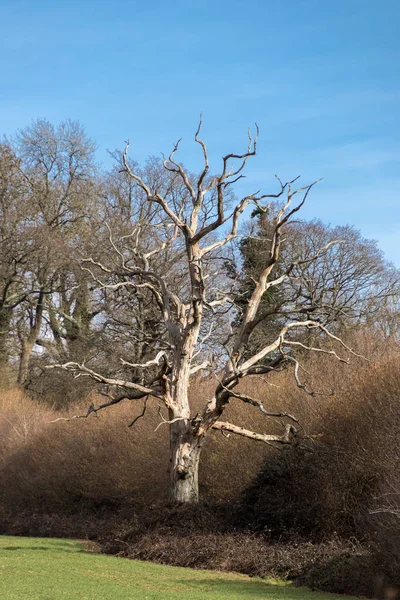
<point x="46" y="200"/>
<point x="351" y="279"/>
<point x="17" y="246"/>
<point x="177" y="257"/>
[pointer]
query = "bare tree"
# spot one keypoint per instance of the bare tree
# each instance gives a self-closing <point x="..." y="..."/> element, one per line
<point x="17" y="247"/>
<point x="351" y="280"/>
<point x="45" y="209"/>
<point x="177" y="254"/>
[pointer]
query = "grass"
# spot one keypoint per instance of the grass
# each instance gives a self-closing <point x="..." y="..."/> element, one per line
<point x="52" y="569"/>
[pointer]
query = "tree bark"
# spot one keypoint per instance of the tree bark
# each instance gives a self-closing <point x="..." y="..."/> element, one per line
<point x="23" y="368"/>
<point x="29" y="342"/>
<point x="185" y="444"/>
<point x="5" y="324"/>
<point x="185" y="450"/>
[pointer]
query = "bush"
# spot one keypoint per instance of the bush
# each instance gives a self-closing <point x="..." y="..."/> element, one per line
<point x="309" y="493"/>
<point x="99" y="462"/>
<point x="332" y="483"/>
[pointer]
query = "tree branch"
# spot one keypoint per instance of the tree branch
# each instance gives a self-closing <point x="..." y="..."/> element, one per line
<point x="286" y="438"/>
<point x="78" y="369"/>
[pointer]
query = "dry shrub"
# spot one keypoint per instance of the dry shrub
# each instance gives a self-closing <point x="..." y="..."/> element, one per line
<point x="329" y="483"/>
<point x="20" y="421"/>
<point x="241" y="552"/>
<point x="67" y="465"/>
<point x="100" y="462"/>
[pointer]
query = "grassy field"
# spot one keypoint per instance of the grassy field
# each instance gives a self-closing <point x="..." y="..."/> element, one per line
<point x="51" y="569"/>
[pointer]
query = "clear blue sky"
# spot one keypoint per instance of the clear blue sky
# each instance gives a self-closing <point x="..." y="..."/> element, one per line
<point x="321" y="78"/>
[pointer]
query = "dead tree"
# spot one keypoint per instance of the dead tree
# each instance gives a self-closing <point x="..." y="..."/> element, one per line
<point x="178" y="257"/>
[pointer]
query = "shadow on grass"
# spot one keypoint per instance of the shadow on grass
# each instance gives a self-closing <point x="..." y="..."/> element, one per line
<point x="52" y="546"/>
<point x="11" y="548"/>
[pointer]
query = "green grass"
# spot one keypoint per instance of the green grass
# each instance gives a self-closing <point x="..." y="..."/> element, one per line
<point x="51" y="569"/>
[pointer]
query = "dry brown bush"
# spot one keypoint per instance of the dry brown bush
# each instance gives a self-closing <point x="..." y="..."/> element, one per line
<point x="101" y="461"/>
<point x="353" y="466"/>
<point x="45" y="465"/>
<point x="337" y="565"/>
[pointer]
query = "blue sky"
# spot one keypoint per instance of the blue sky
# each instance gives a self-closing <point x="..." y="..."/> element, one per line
<point x="322" y="80"/>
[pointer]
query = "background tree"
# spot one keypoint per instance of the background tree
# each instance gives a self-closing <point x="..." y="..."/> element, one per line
<point x="55" y="192"/>
<point x="18" y="249"/>
<point x="350" y="285"/>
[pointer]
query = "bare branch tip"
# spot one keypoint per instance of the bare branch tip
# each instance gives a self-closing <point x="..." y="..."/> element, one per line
<point x="199" y="127"/>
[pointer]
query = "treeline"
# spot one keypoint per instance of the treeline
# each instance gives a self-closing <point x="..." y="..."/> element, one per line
<point x="60" y="213"/>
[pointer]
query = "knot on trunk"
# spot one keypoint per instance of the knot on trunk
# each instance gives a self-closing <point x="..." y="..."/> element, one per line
<point x="196" y="422"/>
<point x="182" y="473"/>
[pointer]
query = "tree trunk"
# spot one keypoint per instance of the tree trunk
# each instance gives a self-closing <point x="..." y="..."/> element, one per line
<point x="28" y="344"/>
<point x="23" y="368"/>
<point x="5" y="324"/>
<point x="185" y="445"/>
<point x="185" y="450"/>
